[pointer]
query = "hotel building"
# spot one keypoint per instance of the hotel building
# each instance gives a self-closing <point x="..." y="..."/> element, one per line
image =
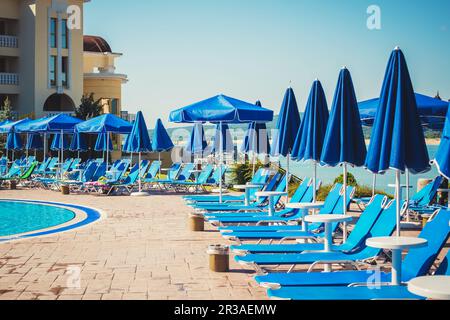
<point x="46" y="62"/>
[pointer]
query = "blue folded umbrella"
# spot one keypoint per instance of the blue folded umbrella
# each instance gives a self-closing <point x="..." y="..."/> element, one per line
<point x="35" y="142"/>
<point x="256" y="139"/>
<point x="222" y="139"/>
<point x="78" y="142"/>
<point x="397" y="137"/>
<point x="161" y="141"/>
<point x="103" y="143"/>
<point x="442" y="158"/>
<point x="58" y="145"/>
<point x="13" y="142"/>
<point x="197" y="142"/>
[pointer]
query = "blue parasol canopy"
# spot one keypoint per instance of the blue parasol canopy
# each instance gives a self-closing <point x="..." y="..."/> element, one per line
<point x="35" y="142"/>
<point x="221" y="108"/>
<point x="197" y="142"/>
<point x="344" y="139"/>
<point x="442" y="158"/>
<point x="161" y="141"/>
<point x="13" y="141"/>
<point x="139" y="139"/>
<point x="397" y="137"/>
<point x="256" y="139"/>
<point x="56" y="142"/>
<point x="103" y="143"/>
<point x="397" y="140"/>
<point x="103" y="124"/>
<point x="223" y="140"/>
<point x="287" y="126"/>
<point x="78" y="142"/>
<point x="432" y="111"/>
<point x="11" y="126"/>
<point x="310" y="137"/>
<point x="55" y="124"/>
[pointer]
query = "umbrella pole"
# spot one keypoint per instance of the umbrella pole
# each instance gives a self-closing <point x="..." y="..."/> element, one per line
<point x="220" y="170"/>
<point x="159" y="160"/>
<point x="254" y="165"/>
<point x="315" y="183"/>
<point x="28" y="138"/>
<point x="374" y="184"/>
<point x="397" y="198"/>
<point x="287" y="176"/>
<point x="344" y="230"/>
<point x="107" y="151"/>
<point x="62" y="154"/>
<point x="407" y="195"/>
<point x="45" y="147"/>
<point x="139" y="174"/>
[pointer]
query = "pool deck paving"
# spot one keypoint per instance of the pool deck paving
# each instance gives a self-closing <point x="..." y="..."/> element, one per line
<point x="142" y="249"/>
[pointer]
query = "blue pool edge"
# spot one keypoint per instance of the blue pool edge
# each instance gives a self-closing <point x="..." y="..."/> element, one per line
<point x="92" y="216"/>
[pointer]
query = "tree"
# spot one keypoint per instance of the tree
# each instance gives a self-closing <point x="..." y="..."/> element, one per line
<point x="5" y="112"/>
<point x="89" y="107"/>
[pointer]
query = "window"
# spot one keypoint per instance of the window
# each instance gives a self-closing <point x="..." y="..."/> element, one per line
<point x="52" y="71"/>
<point x="115" y="106"/>
<point x="64" y="35"/>
<point x="53" y="28"/>
<point x="65" y="72"/>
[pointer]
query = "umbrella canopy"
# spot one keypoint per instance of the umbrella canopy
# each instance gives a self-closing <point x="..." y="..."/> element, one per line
<point x="138" y="139"/>
<point x="13" y="141"/>
<point x="58" y="144"/>
<point x="310" y="137"/>
<point x="58" y="123"/>
<point x="197" y="142"/>
<point x="35" y="142"/>
<point x="221" y="108"/>
<point x="161" y="141"/>
<point x="287" y="126"/>
<point x="432" y="111"/>
<point x="222" y="139"/>
<point x="103" y="143"/>
<point x="103" y="124"/>
<point x="11" y="126"/>
<point x="78" y="142"/>
<point x="256" y="139"/>
<point x="442" y="159"/>
<point x="397" y="137"/>
<point x="344" y="139"/>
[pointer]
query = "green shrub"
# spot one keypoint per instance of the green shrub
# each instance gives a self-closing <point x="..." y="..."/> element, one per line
<point x="351" y="181"/>
<point x="242" y="173"/>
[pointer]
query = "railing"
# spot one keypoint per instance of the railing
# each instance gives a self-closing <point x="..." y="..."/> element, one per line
<point x="10" y="79"/>
<point x="9" y="42"/>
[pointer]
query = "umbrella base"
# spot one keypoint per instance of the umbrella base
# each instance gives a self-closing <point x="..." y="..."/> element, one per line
<point x="139" y="194"/>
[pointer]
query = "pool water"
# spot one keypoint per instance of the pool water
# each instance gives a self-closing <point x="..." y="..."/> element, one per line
<point x="22" y="217"/>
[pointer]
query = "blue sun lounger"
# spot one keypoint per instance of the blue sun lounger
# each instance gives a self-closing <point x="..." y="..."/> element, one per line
<point x="314" y="231"/>
<point x="261" y="177"/>
<point x="184" y="175"/>
<point x="259" y="205"/>
<point x="366" y="291"/>
<point x="333" y="200"/>
<point x="152" y="171"/>
<point x="304" y="194"/>
<point x="356" y="238"/>
<point x="200" y="182"/>
<point x="384" y="226"/>
<point x="417" y="263"/>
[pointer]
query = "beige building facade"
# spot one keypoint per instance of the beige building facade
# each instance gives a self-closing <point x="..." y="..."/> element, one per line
<point x="46" y="62"/>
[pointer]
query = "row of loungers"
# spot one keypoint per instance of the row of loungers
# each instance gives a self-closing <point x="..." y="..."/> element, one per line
<point x="93" y="176"/>
<point x="280" y="252"/>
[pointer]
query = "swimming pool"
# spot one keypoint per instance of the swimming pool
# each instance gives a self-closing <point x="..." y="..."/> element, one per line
<point x="20" y="219"/>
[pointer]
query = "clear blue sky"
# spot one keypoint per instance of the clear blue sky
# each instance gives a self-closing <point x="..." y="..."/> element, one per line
<point x="177" y="52"/>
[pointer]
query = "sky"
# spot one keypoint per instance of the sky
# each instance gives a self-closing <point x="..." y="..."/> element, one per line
<point x="177" y="52"/>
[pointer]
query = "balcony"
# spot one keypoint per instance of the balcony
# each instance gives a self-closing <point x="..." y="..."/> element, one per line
<point x="9" y="79"/>
<point x="9" y="42"/>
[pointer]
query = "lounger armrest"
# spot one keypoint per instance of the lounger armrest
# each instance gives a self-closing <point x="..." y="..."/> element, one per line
<point x="356" y="264"/>
<point x="298" y="238"/>
<point x="366" y="284"/>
